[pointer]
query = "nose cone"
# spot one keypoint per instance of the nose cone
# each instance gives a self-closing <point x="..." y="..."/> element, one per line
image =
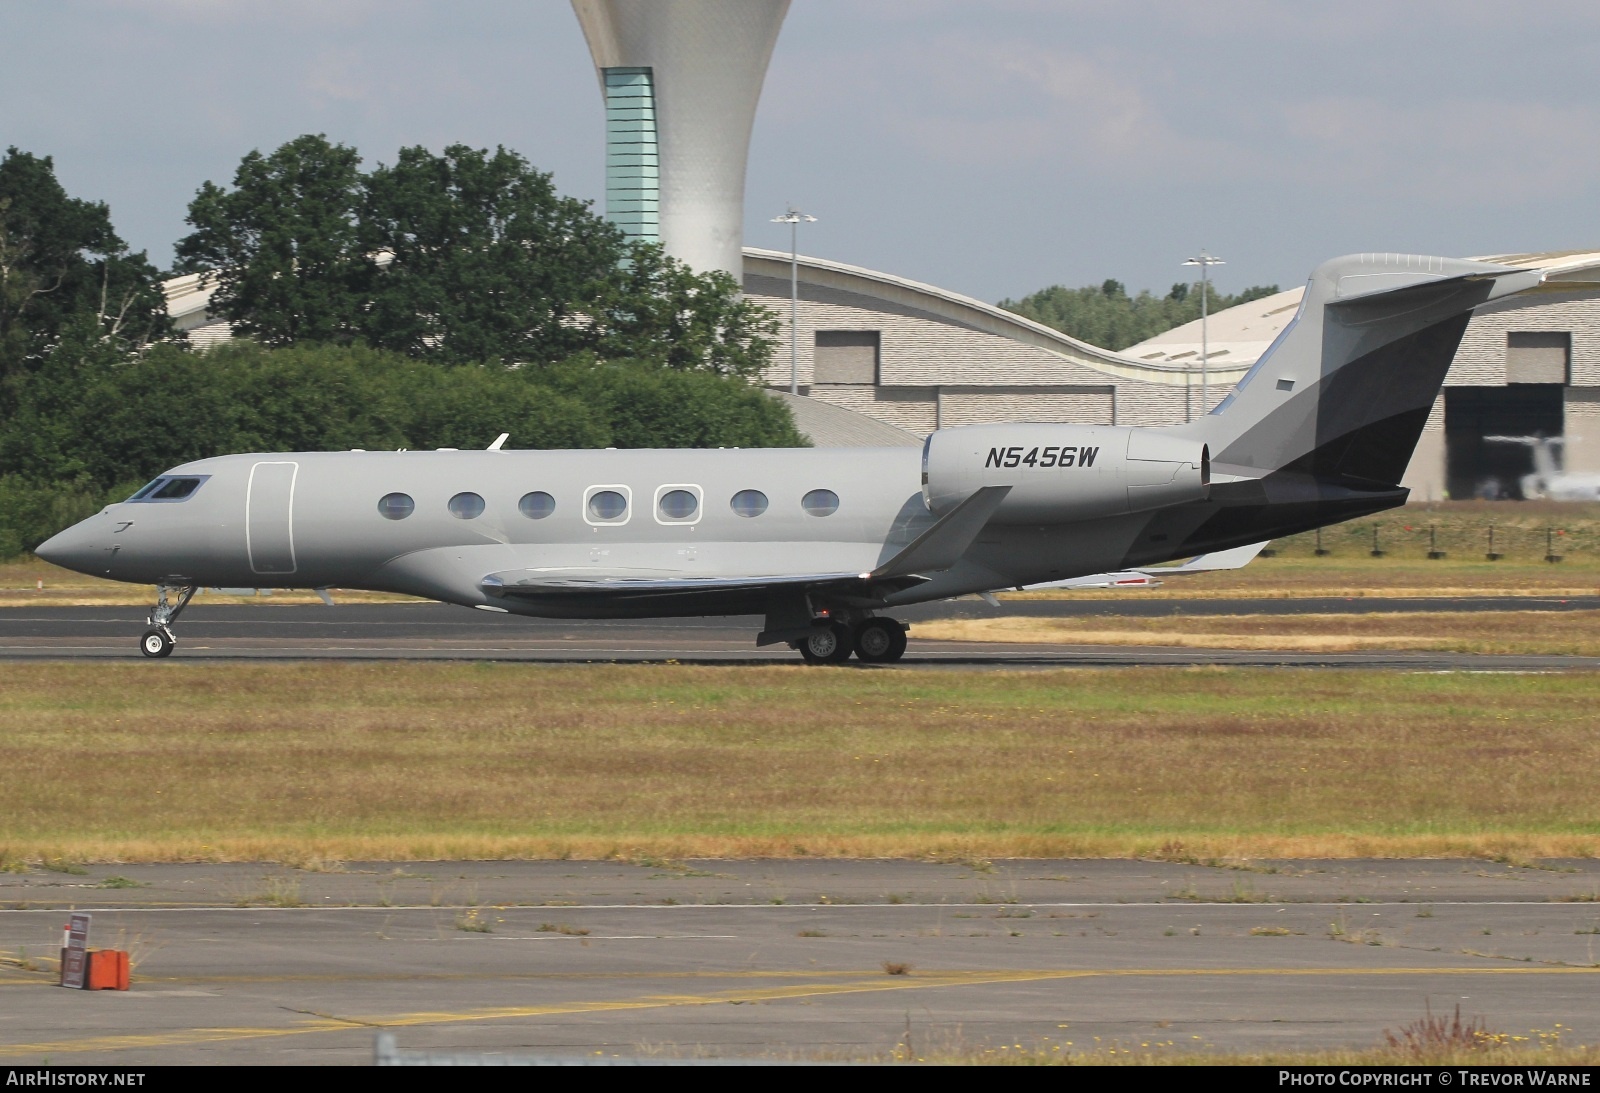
<point x="77" y="548"/>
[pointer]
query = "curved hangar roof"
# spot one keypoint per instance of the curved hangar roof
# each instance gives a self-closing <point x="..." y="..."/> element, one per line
<point x="1239" y="335"/>
<point x="952" y="307"/>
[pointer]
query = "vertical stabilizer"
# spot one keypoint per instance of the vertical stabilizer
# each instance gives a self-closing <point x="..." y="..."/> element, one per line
<point x="1343" y="394"/>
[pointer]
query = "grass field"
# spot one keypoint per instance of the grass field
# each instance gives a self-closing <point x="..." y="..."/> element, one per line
<point x="294" y="762"/>
<point x="1570" y="633"/>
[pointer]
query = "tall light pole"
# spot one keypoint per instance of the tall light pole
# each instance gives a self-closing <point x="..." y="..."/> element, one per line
<point x="1205" y="262"/>
<point x="794" y="217"/>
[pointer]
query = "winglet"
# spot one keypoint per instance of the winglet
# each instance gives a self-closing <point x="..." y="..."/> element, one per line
<point x="943" y="544"/>
<point x="499" y="440"/>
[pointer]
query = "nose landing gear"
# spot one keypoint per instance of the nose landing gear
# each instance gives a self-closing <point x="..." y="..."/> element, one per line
<point x="159" y="640"/>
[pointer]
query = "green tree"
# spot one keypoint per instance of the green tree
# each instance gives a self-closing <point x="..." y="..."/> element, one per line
<point x="283" y="246"/>
<point x="1106" y="316"/>
<point x="94" y="421"/>
<point x="462" y="257"/>
<point x="646" y="406"/>
<point x="484" y="259"/>
<point x="62" y="264"/>
<point x="658" y="309"/>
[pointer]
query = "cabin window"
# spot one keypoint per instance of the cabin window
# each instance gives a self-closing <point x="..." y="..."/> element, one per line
<point x="607" y="505"/>
<point x="678" y="504"/>
<point x="171" y="488"/>
<point x="536" y="505"/>
<point x="466" y="506"/>
<point x="396" y="506"/>
<point x="749" y="503"/>
<point x="820" y="502"/>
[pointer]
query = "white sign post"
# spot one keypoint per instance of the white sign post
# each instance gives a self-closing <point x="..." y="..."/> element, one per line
<point x="75" y="961"/>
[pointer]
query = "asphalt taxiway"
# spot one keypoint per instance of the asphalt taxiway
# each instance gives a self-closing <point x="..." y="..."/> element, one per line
<point x="440" y="632"/>
<point x="794" y="959"/>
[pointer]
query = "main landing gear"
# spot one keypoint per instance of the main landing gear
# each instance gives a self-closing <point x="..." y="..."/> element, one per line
<point x="159" y="640"/>
<point x="872" y="640"/>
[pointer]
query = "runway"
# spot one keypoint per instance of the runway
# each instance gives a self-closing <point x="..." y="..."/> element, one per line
<point x="793" y="959"/>
<point x="440" y="632"/>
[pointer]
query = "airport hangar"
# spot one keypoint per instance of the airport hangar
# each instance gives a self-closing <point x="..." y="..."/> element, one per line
<point x="882" y="359"/>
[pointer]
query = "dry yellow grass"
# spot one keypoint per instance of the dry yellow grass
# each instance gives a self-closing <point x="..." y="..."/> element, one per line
<point x="426" y="761"/>
<point x="1148" y="1053"/>
<point x="1575" y="633"/>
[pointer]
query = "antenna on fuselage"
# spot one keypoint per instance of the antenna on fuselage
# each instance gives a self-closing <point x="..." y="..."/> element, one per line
<point x="499" y="440"/>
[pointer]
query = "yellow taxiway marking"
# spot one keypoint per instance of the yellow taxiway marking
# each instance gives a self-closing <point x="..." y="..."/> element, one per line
<point x="920" y="981"/>
<point x="48" y="979"/>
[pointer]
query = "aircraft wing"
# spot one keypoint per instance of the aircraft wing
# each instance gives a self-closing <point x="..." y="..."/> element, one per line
<point x="582" y="583"/>
<point x="938" y="548"/>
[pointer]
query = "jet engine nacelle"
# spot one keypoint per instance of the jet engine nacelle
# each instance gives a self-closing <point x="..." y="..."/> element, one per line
<point x="1062" y="473"/>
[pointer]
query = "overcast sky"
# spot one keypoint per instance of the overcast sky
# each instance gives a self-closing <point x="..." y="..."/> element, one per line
<point x="989" y="146"/>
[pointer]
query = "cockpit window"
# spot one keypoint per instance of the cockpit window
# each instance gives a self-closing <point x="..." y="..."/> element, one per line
<point x="175" y="489"/>
<point x="171" y="488"/>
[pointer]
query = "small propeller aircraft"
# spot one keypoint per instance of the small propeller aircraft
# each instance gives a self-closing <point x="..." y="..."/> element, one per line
<point x="825" y="542"/>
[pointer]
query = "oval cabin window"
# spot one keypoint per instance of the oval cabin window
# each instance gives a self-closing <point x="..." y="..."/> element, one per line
<point x="396" y="506"/>
<point x="820" y="502"/>
<point x="607" y="505"/>
<point x="678" y="504"/>
<point x="466" y="506"/>
<point x="749" y="503"/>
<point x="536" y="505"/>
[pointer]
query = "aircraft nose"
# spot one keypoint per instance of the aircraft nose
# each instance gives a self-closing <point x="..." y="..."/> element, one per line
<point x="76" y="548"/>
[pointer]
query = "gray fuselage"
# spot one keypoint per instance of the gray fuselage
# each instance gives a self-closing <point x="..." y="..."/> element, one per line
<point x="312" y="520"/>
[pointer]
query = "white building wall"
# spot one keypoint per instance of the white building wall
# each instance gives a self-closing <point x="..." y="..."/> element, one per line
<point x="1582" y="411"/>
<point x="933" y="372"/>
<point x="1481" y="360"/>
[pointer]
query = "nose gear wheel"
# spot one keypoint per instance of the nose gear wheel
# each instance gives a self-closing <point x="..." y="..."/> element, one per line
<point x="159" y="640"/>
<point x="156" y="642"/>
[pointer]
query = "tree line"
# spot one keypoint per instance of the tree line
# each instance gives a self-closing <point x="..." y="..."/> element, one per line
<point x="1106" y="316"/>
<point x="435" y="302"/>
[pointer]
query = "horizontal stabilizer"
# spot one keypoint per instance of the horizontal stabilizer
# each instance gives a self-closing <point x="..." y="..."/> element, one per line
<point x="1361" y="299"/>
<point x="1578" y="273"/>
<point x="1236" y="558"/>
<point x="1149" y="576"/>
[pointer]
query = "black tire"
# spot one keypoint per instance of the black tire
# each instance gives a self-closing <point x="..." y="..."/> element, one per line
<point x="899" y="649"/>
<point x="830" y="644"/>
<point x="156" y="643"/>
<point x="879" y="640"/>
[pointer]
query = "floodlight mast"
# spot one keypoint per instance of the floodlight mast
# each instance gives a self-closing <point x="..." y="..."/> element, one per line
<point x="1205" y="262"/>
<point x="794" y="217"/>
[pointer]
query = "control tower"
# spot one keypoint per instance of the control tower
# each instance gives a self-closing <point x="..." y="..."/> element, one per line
<point x="680" y="80"/>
